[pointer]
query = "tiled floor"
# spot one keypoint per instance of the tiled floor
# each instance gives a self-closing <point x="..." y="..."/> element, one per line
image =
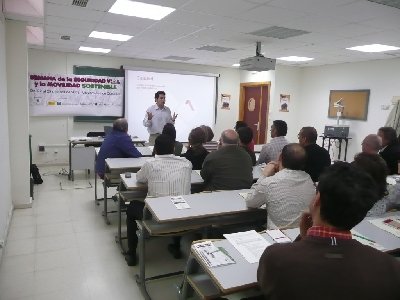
<point x="62" y="249"/>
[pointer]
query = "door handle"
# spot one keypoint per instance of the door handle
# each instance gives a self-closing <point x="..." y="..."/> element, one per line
<point x="258" y="126"/>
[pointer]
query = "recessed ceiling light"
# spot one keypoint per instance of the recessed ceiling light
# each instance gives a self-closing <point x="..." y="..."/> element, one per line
<point x="110" y="36"/>
<point x="90" y="49"/>
<point x="236" y="65"/>
<point x="140" y="10"/>
<point x="373" y="48"/>
<point x="295" y="58"/>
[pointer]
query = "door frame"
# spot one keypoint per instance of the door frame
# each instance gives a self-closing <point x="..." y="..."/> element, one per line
<point x="243" y="85"/>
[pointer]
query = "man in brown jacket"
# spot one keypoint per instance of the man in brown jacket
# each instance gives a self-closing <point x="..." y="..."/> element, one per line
<point x="326" y="263"/>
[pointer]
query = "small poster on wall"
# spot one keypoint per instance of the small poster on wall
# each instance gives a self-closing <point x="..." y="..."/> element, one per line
<point x="225" y="101"/>
<point x="284" y="103"/>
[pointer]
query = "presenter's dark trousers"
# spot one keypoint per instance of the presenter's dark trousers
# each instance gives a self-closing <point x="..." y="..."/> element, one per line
<point x="134" y="212"/>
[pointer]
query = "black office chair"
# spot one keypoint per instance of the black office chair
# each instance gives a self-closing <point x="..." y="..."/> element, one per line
<point x="94" y="134"/>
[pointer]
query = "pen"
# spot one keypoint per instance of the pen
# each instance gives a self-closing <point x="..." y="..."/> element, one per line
<point x="364" y="238"/>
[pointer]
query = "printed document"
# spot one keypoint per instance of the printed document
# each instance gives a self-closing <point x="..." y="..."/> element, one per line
<point x="211" y="255"/>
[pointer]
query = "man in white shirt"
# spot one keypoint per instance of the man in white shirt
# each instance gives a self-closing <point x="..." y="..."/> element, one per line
<point x="157" y="116"/>
<point x="165" y="175"/>
<point x="270" y="151"/>
<point x="285" y="188"/>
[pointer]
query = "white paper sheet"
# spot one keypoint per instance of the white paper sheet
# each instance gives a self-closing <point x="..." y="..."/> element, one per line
<point x="384" y="224"/>
<point x="179" y="202"/>
<point x="211" y="255"/>
<point x="250" y="244"/>
<point x="366" y="241"/>
<point x="197" y="171"/>
<point x="278" y="236"/>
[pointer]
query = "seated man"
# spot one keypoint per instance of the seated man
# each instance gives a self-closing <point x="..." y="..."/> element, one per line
<point x="327" y="263"/>
<point x="371" y="144"/>
<point x="286" y="189"/>
<point x="245" y="139"/>
<point x="270" y="151"/>
<point x="241" y="124"/>
<point x="318" y="158"/>
<point x="165" y="175"/>
<point x="390" y="151"/>
<point x="196" y="153"/>
<point x="169" y="129"/>
<point x="117" y="144"/>
<point x="228" y="168"/>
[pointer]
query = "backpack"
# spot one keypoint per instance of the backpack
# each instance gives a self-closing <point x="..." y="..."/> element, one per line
<point x="37" y="179"/>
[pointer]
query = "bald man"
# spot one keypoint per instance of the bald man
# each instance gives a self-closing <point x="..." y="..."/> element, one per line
<point x="228" y="168"/>
<point x="285" y="188"/>
<point x="371" y="144"/>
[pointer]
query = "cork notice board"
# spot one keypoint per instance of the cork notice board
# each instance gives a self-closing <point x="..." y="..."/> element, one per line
<point x="355" y="104"/>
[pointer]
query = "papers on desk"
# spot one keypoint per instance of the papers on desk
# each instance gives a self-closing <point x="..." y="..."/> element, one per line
<point x="211" y="255"/>
<point x="250" y="244"/>
<point x="366" y="241"/>
<point x="179" y="202"/>
<point x="278" y="236"/>
<point x="80" y="138"/>
<point x="244" y="195"/>
<point x="391" y="180"/>
<point x="389" y="224"/>
<point x="197" y="171"/>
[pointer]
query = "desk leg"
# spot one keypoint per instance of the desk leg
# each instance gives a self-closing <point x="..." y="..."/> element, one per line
<point x="119" y="236"/>
<point x="141" y="277"/>
<point x="340" y="148"/>
<point x="105" y="204"/>
<point x="345" y="150"/>
<point x="185" y="289"/>
<point x="70" y="175"/>
<point x="329" y="144"/>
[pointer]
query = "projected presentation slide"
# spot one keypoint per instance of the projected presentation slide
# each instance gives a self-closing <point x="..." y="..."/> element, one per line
<point x="192" y="97"/>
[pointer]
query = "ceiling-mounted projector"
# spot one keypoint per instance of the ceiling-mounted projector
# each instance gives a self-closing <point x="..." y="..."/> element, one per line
<point x="258" y="62"/>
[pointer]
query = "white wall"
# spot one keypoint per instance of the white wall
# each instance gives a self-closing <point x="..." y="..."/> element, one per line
<point x="18" y="113"/>
<point x="381" y="77"/>
<point x="56" y="130"/>
<point x="5" y="176"/>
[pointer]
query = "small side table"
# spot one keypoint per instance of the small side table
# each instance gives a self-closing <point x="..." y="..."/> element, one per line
<point x="338" y="138"/>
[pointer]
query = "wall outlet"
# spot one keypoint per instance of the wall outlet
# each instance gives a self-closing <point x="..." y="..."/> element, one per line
<point x="55" y="151"/>
<point x="41" y="148"/>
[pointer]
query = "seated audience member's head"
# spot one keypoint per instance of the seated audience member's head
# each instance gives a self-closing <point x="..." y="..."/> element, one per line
<point x="120" y="124"/>
<point x="293" y="157"/>
<point x="240" y="124"/>
<point x="374" y="165"/>
<point x="344" y="196"/>
<point x="169" y="129"/>
<point x="307" y="136"/>
<point x="209" y="133"/>
<point x="388" y="136"/>
<point x="245" y="135"/>
<point x="164" y="144"/>
<point x="278" y="128"/>
<point x="371" y="144"/>
<point x="229" y="137"/>
<point x="197" y="137"/>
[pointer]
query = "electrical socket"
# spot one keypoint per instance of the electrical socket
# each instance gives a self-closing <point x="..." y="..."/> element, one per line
<point x="41" y="148"/>
<point x="55" y="151"/>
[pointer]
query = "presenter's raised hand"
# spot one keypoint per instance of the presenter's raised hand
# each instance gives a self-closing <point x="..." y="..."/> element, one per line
<point x="174" y="117"/>
<point x="149" y="115"/>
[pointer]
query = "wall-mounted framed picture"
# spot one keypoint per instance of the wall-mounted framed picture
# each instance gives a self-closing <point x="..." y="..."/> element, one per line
<point x="353" y="104"/>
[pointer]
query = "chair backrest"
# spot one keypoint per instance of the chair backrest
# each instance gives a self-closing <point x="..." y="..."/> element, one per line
<point x="95" y="134"/>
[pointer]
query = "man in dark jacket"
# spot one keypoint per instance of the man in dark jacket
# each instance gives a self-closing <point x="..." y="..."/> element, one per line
<point x="117" y="144"/>
<point x="314" y="267"/>
<point x="390" y="151"/>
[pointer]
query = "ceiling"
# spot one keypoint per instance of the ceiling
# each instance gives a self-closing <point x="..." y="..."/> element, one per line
<point x="331" y="26"/>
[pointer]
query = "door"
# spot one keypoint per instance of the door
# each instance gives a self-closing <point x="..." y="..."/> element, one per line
<point x="254" y="103"/>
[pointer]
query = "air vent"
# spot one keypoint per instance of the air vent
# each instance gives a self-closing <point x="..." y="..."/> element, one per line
<point x="278" y="32"/>
<point x="215" y="49"/>
<point x="391" y="3"/>
<point x="81" y="3"/>
<point x="180" y="58"/>
<point x="65" y="37"/>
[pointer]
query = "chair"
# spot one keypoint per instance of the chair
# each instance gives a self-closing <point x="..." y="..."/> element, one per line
<point x="94" y="134"/>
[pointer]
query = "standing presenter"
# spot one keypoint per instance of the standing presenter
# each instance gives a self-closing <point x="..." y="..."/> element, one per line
<point x="157" y="116"/>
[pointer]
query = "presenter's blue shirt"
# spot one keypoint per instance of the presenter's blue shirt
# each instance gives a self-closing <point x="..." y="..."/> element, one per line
<point x="117" y="144"/>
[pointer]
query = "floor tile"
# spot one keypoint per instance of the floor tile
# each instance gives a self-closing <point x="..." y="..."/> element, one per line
<point x="20" y="247"/>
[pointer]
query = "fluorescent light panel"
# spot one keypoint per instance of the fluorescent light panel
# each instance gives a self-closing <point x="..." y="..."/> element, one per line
<point x="140" y="10"/>
<point x="373" y="48"/>
<point x="295" y="58"/>
<point x="90" y="49"/>
<point x="236" y="65"/>
<point x="110" y="36"/>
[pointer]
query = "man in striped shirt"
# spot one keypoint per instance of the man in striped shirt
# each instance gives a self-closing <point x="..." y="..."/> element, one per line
<point x="165" y="175"/>
<point x="270" y="151"/>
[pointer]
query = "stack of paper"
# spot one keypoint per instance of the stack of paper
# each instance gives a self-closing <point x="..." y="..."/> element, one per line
<point x="211" y="255"/>
<point x="389" y="224"/>
<point x="250" y="244"/>
<point x="278" y="236"/>
<point x="179" y="202"/>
